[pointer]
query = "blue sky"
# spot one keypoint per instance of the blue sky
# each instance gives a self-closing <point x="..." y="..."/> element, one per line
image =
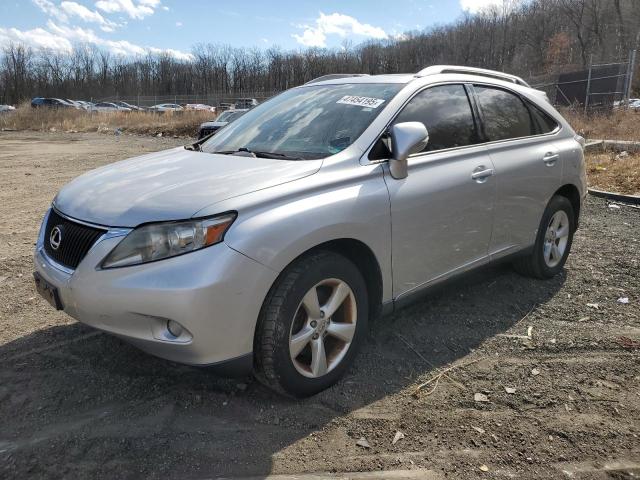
<point x="130" y="27"/>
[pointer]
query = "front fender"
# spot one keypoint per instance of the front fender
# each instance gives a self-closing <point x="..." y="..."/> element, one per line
<point x="283" y="223"/>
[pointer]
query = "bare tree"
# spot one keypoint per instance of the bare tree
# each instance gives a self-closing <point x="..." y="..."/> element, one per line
<point x="526" y="37"/>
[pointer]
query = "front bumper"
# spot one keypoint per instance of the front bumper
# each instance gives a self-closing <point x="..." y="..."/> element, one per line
<point x="215" y="293"/>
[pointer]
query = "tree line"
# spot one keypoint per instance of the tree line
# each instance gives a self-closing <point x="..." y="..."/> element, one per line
<point x="530" y="38"/>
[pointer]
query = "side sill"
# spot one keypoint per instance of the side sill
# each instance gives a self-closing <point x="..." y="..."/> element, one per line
<point x="419" y="294"/>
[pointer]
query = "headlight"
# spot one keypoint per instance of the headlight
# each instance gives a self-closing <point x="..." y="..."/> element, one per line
<point x="156" y="241"/>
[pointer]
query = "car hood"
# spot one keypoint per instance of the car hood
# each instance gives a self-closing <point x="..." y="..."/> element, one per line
<point x="170" y="185"/>
<point x="213" y="124"/>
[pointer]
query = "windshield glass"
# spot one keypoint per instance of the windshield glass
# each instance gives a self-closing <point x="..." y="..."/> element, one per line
<point x="306" y="123"/>
<point x="225" y="116"/>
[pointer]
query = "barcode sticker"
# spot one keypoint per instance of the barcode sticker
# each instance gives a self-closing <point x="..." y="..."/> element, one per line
<point x="361" y="101"/>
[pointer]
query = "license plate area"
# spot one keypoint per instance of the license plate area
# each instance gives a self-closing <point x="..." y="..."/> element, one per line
<point x="47" y="291"/>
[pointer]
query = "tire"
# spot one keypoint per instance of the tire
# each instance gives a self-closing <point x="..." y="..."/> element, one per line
<point x="540" y="263"/>
<point x="288" y="314"/>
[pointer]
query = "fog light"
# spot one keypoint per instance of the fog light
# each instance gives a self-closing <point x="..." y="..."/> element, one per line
<point x="174" y="328"/>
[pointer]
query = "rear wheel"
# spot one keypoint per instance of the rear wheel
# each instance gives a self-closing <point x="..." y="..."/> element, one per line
<point x="553" y="242"/>
<point x="311" y="325"/>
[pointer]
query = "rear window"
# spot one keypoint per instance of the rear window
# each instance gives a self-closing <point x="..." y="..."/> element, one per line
<point x="505" y="115"/>
<point x="543" y="122"/>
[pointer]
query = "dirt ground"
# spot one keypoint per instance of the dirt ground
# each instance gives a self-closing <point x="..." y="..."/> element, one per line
<point x="75" y="403"/>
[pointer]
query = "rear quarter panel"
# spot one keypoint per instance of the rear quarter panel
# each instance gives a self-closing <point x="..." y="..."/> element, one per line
<point x="574" y="170"/>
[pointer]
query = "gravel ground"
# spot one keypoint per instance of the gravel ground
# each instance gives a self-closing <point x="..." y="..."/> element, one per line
<point x="78" y="403"/>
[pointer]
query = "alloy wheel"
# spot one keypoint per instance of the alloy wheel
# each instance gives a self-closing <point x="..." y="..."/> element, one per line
<point x="323" y="328"/>
<point x="556" y="238"/>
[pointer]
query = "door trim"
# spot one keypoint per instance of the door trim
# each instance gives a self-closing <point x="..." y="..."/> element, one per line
<point x="407" y="295"/>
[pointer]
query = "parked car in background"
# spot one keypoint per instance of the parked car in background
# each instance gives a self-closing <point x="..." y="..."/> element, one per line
<point x="108" y="107"/>
<point x="85" y="105"/>
<point x="166" y="107"/>
<point x="246" y="103"/>
<point x="226" y="106"/>
<point x="51" y="103"/>
<point x="6" y="108"/>
<point x="199" y="106"/>
<point x="270" y="245"/>
<point x="223" y="119"/>
<point x="133" y="108"/>
<point x="75" y="103"/>
<point x="634" y="103"/>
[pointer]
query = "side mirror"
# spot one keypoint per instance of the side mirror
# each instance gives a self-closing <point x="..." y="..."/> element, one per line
<point x="406" y="138"/>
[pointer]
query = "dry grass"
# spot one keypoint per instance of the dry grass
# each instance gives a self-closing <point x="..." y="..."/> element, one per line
<point x="619" y="125"/>
<point x="182" y="124"/>
<point x="607" y="171"/>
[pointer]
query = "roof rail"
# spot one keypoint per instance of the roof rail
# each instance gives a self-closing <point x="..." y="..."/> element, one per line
<point x="435" y="69"/>
<point x="334" y="76"/>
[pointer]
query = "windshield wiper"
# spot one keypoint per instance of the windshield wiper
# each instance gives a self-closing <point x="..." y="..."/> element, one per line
<point x="260" y="154"/>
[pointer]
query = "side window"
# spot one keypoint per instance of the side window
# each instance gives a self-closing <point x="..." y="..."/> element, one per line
<point x="446" y="112"/>
<point x="505" y="115"/>
<point x="544" y="122"/>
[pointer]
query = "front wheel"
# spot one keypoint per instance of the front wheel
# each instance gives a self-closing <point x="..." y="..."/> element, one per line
<point x="553" y="241"/>
<point x="311" y="324"/>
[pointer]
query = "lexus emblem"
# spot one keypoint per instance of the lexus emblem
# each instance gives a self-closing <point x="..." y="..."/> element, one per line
<point x="55" y="238"/>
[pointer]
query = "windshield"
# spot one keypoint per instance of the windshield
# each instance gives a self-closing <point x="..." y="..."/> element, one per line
<point x="225" y="116"/>
<point x="305" y="123"/>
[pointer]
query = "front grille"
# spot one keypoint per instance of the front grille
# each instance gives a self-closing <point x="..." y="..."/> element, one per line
<point x="207" y="130"/>
<point x="75" y="240"/>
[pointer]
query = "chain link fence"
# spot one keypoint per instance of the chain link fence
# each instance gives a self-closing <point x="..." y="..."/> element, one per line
<point x="600" y="87"/>
<point x="219" y="100"/>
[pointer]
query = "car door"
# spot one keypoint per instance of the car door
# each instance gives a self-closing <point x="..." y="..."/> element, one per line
<point x="441" y="214"/>
<point x="520" y="142"/>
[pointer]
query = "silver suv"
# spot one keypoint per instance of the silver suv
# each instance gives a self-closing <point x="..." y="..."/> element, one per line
<point x="269" y="246"/>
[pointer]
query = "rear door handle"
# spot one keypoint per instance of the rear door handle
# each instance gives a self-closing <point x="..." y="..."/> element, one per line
<point x="550" y="158"/>
<point x="480" y="174"/>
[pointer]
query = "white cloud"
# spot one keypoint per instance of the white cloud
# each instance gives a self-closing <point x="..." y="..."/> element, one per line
<point x="51" y="9"/>
<point x="62" y="38"/>
<point x="38" y="38"/>
<point x="178" y="24"/>
<point x="475" y="6"/>
<point x="137" y="10"/>
<point x="336" y="24"/>
<point x="67" y="10"/>
<point x="75" y="9"/>
<point x="177" y="54"/>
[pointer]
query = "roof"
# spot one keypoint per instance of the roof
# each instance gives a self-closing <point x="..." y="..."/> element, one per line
<point x="409" y="77"/>
<point x="388" y="78"/>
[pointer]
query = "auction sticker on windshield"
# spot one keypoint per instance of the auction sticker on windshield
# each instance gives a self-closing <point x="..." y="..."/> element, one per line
<point x="361" y="101"/>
